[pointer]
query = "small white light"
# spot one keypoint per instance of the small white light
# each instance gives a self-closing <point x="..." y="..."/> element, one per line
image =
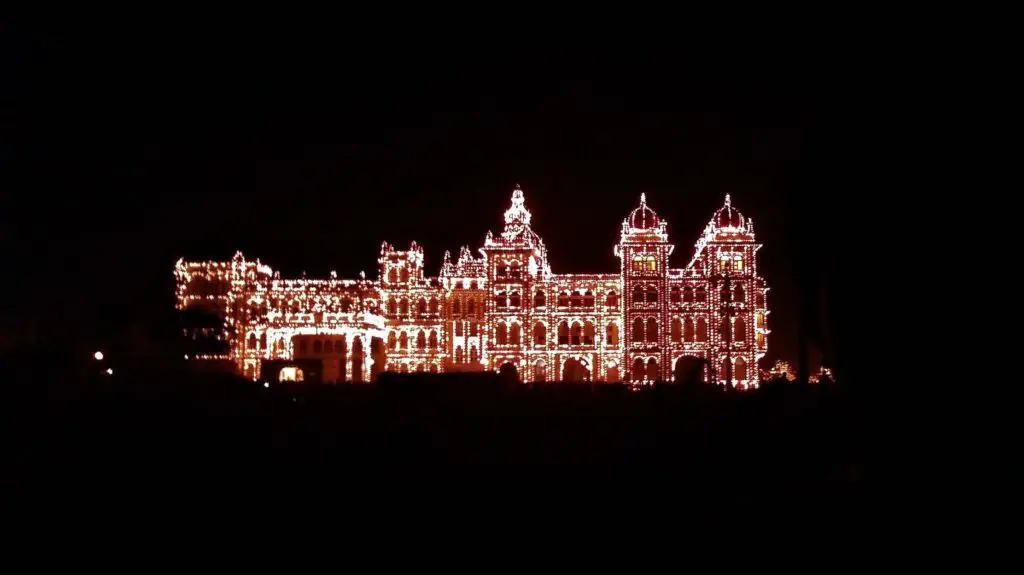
<point x="266" y="384"/>
<point x="186" y="356"/>
<point x="110" y="371"/>
<point x="98" y="355"/>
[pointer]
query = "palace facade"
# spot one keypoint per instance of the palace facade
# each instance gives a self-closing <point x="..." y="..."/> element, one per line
<point x="504" y="306"/>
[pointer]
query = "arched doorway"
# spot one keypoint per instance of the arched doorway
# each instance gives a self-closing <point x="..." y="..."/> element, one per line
<point x="357" y="358"/>
<point x="508" y="372"/>
<point x="689" y="370"/>
<point x="613" y="372"/>
<point x="540" y="371"/>
<point x="576" y="370"/>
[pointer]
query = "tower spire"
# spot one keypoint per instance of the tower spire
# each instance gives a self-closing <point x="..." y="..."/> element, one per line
<point x="517" y="214"/>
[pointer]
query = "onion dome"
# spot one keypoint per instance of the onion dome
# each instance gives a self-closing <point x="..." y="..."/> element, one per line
<point x="643" y="217"/>
<point x="728" y="216"/>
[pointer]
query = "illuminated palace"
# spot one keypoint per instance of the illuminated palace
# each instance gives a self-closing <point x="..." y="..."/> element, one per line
<point x="505" y="306"/>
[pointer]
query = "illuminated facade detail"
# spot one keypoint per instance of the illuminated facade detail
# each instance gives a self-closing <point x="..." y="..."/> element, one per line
<point x="503" y="307"/>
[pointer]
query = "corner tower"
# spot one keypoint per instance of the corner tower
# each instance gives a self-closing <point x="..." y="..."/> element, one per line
<point x="643" y="251"/>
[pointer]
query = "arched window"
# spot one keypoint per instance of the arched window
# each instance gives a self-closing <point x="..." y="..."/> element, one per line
<point x="252" y="341"/>
<point x="741" y="369"/>
<point x="677" y="330"/>
<point x="576" y="334"/>
<point x="563" y="333"/>
<point x="612" y="299"/>
<point x="701" y="295"/>
<point x="433" y="339"/>
<point x="392" y="340"/>
<point x="724" y="375"/>
<point x="563" y="299"/>
<point x="651" y="264"/>
<point x="738" y="294"/>
<point x="346" y="304"/>
<point x="638" y="329"/>
<point x="421" y="340"/>
<point x="588" y="299"/>
<point x="474" y="355"/>
<point x="403" y="307"/>
<point x="638" y="294"/>
<point x="652" y="330"/>
<point x="456" y="308"/>
<point x="473" y="329"/>
<point x="702" y="329"/>
<point x="638" y="263"/>
<point x="540" y="334"/>
<point x="421" y="307"/>
<point x="392" y="276"/>
<point x="612" y="334"/>
<point x="652" y="294"/>
<point x="759" y="319"/>
<point x="501" y="334"/>
<point x="739" y="330"/>
<point x="759" y="298"/>
<point x="514" y="335"/>
<point x="405" y="275"/>
<point x="514" y="299"/>
<point x="688" y="329"/>
<point x="458" y="329"/>
<point x="675" y="295"/>
<point x="576" y="300"/>
<point x="588" y="333"/>
<point x="471" y="307"/>
<point x="723" y="328"/>
<point x="433" y="308"/>
<point x="473" y="285"/>
<point x="458" y="354"/>
<point x="688" y="294"/>
<point x="501" y="299"/>
<point x="403" y="340"/>
<point x="392" y="306"/>
<point x="539" y="299"/>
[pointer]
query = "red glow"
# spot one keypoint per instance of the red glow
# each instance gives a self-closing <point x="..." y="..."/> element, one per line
<point x="506" y="306"/>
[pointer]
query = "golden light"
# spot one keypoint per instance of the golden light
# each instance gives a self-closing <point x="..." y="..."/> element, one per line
<point x="505" y="306"/>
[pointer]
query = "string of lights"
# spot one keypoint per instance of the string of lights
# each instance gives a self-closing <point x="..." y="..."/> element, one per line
<point x="503" y="308"/>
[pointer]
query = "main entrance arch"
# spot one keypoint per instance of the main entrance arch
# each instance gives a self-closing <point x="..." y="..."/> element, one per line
<point x="576" y="369"/>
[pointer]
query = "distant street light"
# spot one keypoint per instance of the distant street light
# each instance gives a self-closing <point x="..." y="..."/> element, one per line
<point x="110" y="371"/>
<point x="98" y="355"/>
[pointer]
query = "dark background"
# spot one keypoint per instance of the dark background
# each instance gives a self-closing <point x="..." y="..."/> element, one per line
<point x="125" y="149"/>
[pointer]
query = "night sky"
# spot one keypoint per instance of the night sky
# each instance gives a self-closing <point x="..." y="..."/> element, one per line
<point x="128" y="151"/>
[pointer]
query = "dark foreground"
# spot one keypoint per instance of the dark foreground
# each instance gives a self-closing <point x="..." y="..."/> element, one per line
<point x="783" y="443"/>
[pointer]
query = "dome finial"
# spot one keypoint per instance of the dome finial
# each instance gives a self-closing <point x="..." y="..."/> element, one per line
<point x="728" y="200"/>
<point x="643" y="198"/>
